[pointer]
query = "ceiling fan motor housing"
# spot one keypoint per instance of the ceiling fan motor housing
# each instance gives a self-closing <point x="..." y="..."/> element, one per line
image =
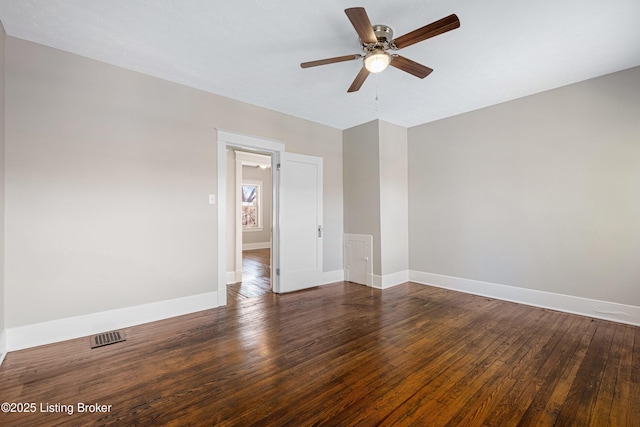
<point x="383" y="33"/>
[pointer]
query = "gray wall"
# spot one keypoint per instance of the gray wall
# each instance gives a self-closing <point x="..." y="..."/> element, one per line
<point x="541" y="192"/>
<point x="107" y="173"/>
<point x="394" y="228"/>
<point x="2" y="222"/>
<point x="264" y="175"/>
<point x="107" y="177"/>
<point x="361" y="151"/>
<point x="375" y="191"/>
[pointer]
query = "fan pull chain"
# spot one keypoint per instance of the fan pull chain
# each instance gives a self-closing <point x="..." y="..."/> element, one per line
<point x="377" y="99"/>
<point x="376" y="86"/>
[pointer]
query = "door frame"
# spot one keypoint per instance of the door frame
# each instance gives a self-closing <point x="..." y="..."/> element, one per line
<point x="227" y="139"/>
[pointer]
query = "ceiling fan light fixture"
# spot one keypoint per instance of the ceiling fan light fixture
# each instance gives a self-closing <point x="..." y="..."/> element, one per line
<point x="376" y="61"/>
<point x="376" y="40"/>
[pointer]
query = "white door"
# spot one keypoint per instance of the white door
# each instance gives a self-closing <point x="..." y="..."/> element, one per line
<point x="358" y="254"/>
<point x="300" y="222"/>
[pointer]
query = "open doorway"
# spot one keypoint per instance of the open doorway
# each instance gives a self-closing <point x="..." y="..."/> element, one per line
<point x="229" y="265"/>
<point x="296" y="224"/>
<point x="252" y="201"/>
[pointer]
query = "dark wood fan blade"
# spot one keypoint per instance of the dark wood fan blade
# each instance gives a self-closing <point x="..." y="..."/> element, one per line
<point x="411" y="67"/>
<point x="360" y="21"/>
<point x="330" y="60"/>
<point x="449" y="23"/>
<point x="360" y="78"/>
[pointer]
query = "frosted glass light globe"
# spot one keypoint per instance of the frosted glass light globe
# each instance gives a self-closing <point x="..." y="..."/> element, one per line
<point x="376" y="61"/>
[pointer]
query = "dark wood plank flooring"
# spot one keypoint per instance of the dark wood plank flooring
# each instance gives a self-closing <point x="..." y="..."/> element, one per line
<point x="256" y="276"/>
<point x="342" y="355"/>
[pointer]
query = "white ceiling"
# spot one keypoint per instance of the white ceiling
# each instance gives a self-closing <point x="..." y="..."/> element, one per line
<point x="250" y="50"/>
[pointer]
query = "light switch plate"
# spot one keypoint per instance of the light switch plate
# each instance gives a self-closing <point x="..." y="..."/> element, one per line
<point x="212" y="199"/>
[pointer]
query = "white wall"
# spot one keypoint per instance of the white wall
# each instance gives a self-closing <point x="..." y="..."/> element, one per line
<point x="541" y="193"/>
<point x="107" y="177"/>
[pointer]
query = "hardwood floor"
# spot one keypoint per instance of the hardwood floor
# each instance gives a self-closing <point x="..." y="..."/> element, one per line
<point x="256" y="276"/>
<point x="341" y="355"/>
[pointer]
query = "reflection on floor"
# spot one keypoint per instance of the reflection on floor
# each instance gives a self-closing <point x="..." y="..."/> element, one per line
<point x="256" y="276"/>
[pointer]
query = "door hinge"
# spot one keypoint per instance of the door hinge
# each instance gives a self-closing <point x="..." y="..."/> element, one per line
<point x="277" y="271"/>
<point x="278" y="166"/>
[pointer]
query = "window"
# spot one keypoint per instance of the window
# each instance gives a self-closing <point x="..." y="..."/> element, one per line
<point x="251" y="206"/>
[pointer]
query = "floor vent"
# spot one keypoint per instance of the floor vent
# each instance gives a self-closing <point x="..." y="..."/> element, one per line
<point x="107" y="338"/>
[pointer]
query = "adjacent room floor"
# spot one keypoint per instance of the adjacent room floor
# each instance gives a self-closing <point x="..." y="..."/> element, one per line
<point x="256" y="276"/>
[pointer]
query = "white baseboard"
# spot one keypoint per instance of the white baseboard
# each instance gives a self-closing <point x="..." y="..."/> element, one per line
<point x="3" y="345"/>
<point x="388" y="280"/>
<point x="615" y="312"/>
<point x="75" y="327"/>
<point x="260" y="245"/>
<point x="332" y="276"/>
<point x="234" y="277"/>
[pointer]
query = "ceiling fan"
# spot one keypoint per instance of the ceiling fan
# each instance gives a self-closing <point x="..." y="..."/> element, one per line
<point x="377" y="40"/>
